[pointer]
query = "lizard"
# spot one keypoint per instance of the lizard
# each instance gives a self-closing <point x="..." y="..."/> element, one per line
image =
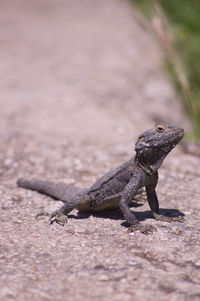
<point x="119" y="186"/>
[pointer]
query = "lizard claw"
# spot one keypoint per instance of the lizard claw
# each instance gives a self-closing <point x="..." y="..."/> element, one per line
<point x="58" y="217"/>
<point x="144" y="229"/>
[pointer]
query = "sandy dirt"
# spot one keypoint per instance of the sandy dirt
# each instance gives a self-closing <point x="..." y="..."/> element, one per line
<point x="79" y="81"/>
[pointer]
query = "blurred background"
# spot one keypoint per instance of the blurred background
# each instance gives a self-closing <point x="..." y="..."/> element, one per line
<point x="81" y="51"/>
<point x="68" y="56"/>
<point x="92" y="76"/>
<point x="81" y="74"/>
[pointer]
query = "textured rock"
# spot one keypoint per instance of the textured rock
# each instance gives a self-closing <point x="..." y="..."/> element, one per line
<point x="79" y="81"/>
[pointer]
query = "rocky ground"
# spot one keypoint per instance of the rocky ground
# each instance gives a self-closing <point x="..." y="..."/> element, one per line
<point x="79" y="81"/>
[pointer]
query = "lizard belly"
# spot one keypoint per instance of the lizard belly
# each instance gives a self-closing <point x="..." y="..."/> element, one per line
<point x="111" y="202"/>
<point x="108" y="203"/>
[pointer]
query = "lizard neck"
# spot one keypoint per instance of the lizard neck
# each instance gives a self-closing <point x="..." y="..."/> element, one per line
<point x="147" y="168"/>
<point x="150" y="165"/>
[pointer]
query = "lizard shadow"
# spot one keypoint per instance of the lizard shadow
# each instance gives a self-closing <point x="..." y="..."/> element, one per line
<point x="111" y="213"/>
<point x="141" y="216"/>
<point x="116" y="214"/>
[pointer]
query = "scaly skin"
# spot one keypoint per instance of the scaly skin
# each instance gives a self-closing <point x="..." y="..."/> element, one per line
<point x="119" y="186"/>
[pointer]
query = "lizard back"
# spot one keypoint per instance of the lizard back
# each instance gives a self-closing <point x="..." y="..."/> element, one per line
<point x="112" y="183"/>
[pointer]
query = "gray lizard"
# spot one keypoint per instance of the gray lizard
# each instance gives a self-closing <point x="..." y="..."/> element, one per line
<point x="119" y="186"/>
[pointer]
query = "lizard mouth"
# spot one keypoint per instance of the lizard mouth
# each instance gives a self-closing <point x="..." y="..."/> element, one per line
<point x="172" y="142"/>
<point x="174" y="138"/>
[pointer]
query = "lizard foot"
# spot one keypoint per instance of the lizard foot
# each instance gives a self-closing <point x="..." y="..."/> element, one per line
<point x="145" y="229"/>
<point x="58" y="217"/>
<point x="168" y="219"/>
<point x="41" y="215"/>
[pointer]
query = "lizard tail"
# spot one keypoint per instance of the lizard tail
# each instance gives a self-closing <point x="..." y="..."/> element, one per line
<point x="59" y="191"/>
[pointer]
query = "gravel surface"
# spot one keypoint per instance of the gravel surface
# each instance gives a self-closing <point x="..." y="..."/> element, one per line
<point x="79" y="81"/>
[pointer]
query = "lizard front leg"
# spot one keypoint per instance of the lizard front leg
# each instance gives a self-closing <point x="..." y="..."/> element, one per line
<point x="129" y="192"/>
<point x="154" y="205"/>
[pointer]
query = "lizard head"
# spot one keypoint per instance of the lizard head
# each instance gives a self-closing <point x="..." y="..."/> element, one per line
<point x="154" y="144"/>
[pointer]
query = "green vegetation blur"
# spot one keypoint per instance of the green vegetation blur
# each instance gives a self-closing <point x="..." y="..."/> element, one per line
<point x="180" y="35"/>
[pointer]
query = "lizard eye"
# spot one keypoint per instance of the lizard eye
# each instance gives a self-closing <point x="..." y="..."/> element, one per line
<point x="160" y="128"/>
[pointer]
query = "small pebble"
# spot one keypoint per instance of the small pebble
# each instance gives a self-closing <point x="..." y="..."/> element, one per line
<point x="103" y="278"/>
<point x="132" y="262"/>
<point x="197" y="263"/>
<point x="18" y="221"/>
<point x="176" y="229"/>
<point x="79" y="230"/>
<point x="8" y="162"/>
<point x="125" y="237"/>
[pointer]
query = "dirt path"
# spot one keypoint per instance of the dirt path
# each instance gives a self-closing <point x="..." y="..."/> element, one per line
<point x="79" y="80"/>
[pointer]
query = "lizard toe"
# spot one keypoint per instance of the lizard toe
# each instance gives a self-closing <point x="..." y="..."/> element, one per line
<point x="58" y="217"/>
<point x="41" y="215"/>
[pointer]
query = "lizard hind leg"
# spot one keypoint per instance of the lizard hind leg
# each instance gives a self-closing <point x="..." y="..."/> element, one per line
<point x="72" y="196"/>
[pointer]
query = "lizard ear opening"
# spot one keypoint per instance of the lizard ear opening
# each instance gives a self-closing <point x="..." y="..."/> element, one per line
<point x="141" y="144"/>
